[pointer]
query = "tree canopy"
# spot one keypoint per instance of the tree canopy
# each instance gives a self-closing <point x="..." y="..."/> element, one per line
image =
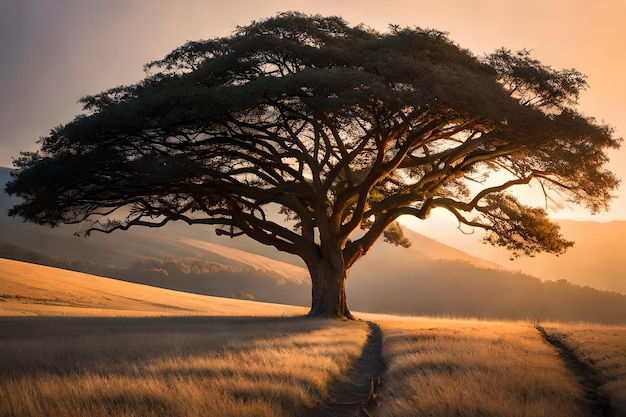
<point x="342" y="128"/>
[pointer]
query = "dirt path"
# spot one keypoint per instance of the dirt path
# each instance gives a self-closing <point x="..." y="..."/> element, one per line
<point x="596" y="404"/>
<point x="351" y="397"/>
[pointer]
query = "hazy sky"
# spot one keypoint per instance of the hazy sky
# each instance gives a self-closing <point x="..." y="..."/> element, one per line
<point x="52" y="52"/>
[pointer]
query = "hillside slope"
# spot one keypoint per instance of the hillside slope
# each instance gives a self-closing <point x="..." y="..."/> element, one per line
<point x="596" y="260"/>
<point x="35" y="290"/>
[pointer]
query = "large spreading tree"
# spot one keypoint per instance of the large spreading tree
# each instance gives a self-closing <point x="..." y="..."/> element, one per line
<point x="340" y="129"/>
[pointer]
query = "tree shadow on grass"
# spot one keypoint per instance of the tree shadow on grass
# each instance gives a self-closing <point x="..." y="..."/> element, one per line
<point x="62" y="345"/>
<point x="169" y="366"/>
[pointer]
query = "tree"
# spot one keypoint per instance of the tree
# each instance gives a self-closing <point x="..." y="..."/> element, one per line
<point x="342" y="129"/>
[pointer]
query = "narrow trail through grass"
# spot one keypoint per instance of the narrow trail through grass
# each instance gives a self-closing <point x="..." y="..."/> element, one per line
<point x="351" y="396"/>
<point x="597" y="404"/>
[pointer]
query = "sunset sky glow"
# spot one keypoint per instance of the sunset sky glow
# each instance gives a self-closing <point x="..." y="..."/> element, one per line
<point x="54" y="52"/>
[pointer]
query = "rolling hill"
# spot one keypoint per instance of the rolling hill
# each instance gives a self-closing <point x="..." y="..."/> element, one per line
<point x="596" y="260"/>
<point x="35" y="290"/>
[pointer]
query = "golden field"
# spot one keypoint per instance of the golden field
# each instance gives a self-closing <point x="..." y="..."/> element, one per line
<point x="603" y="349"/>
<point x="34" y="290"/>
<point x="444" y="367"/>
<point x="77" y="345"/>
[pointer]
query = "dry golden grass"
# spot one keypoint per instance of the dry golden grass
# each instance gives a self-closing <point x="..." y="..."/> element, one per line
<point x="189" y="366"/>
<point x="439" y="367"/>
<point x="604" y="349"/>
<point x="138" y="365"/>
<point x="119" y="359"/>
<point x="32" y="290"/>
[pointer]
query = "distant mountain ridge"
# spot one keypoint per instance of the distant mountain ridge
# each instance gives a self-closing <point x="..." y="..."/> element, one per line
<point x="596" y="259"/>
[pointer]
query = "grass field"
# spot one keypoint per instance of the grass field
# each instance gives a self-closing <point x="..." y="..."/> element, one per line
<point x="190" y="366"/>
<point x="129" y="350"/>
<point x="602" y="348"/>
<point x="439" y="367"/>
<point x="34" y="290"/>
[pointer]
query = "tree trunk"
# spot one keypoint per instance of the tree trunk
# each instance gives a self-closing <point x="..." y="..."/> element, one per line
<point x="329" y="289"/>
